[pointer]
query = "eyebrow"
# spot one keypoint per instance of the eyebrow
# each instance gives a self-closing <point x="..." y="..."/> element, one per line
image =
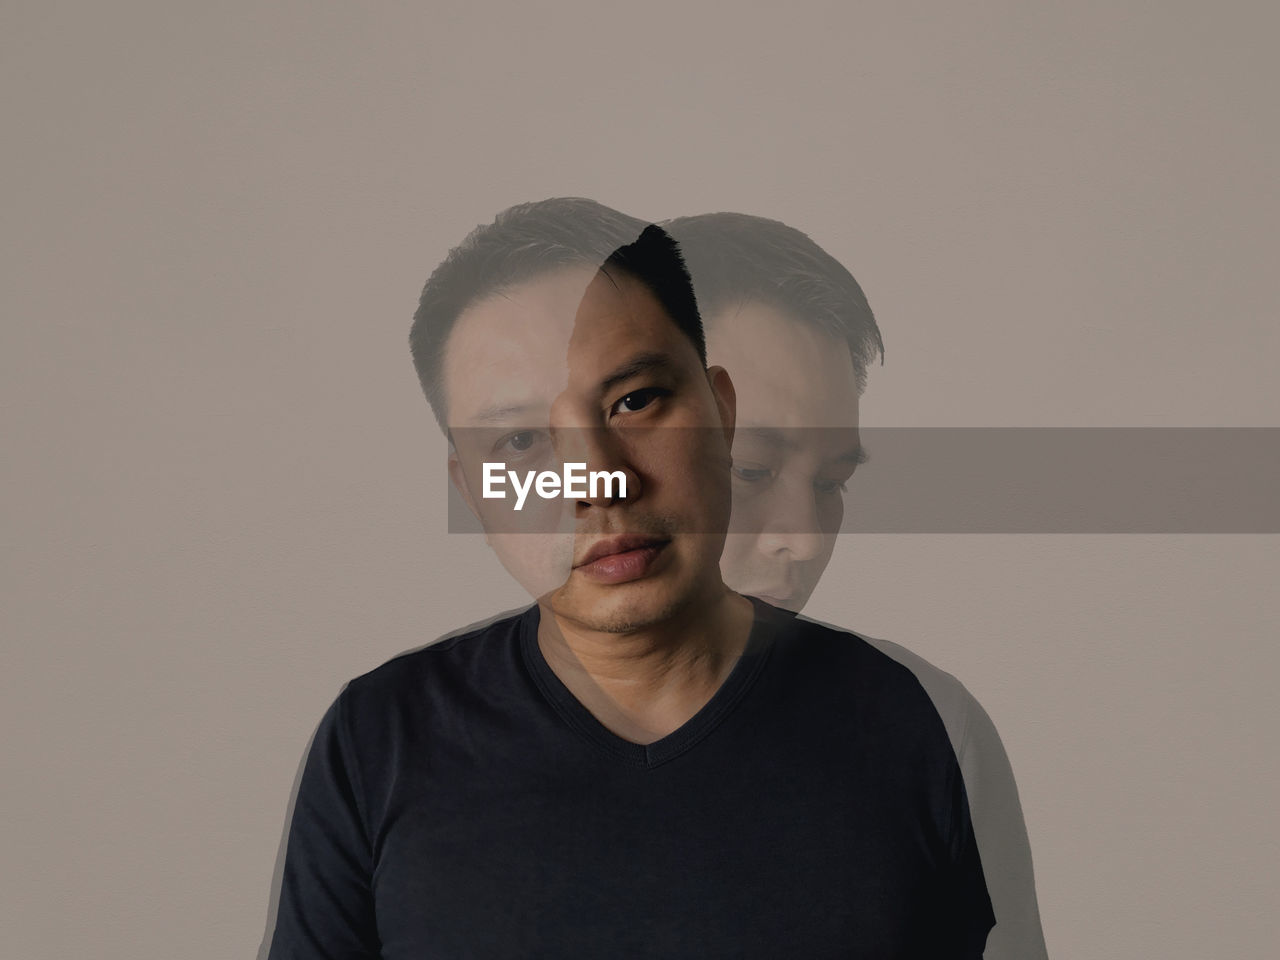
<point x="640" y="363"/>
<point x="780" y="437"/>
<point x="502" y="414"/>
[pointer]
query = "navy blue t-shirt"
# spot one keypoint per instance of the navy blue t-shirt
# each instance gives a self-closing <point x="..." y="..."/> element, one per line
<point x="458" y="801"/>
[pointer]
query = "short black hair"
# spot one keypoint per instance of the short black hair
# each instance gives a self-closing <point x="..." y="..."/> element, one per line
<point x="528" y="240"/>
<point x="654" y="259"/>
<point x="736" y="257"/>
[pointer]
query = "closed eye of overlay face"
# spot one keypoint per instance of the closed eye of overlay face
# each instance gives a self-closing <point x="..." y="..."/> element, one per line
<point x="795" y="450"/>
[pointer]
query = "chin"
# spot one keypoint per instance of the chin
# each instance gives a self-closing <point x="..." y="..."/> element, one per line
<point x="620" y="608"/>
<point x="792" y="601"/>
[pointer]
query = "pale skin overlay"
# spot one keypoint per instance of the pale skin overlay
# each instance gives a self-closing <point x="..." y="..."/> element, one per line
<point x="795" y="449"/>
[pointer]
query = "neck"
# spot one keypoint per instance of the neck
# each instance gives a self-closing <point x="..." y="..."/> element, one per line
<point x="645" y="683"/>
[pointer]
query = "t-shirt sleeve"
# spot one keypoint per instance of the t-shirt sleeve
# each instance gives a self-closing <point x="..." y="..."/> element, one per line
<point x="967" y="916"/>
<point x="1001" y="833"/>
<point x="995" y="812"/>
<point x="326" y="897"/>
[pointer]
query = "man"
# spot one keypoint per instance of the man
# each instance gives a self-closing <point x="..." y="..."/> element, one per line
<point x="795" y="329"/>
<point x="643" y="763"/>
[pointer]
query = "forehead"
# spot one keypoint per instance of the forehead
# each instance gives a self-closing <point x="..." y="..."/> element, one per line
<point x="520" y="348"/>
<point x="509" y="345"/>
<point x="617" y="318"/>
<point x="787" y="372"/>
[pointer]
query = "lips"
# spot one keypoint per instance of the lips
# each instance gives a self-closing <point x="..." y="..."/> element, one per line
<point x="774" y="601"/>
<point x="783" y="597"/>
<point x="623" y="559"/>
<point x="621" y="544"/>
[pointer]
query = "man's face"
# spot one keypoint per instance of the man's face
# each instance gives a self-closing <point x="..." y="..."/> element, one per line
<point x="795" y="448"/>
<point x="575" y="365"/>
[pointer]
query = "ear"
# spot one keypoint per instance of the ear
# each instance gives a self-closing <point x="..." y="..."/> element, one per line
<point x="726" y="400"/>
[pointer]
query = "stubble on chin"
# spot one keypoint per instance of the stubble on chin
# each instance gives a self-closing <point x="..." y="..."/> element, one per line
<point x="635" y="606"/>
<point x="616" y="614"/>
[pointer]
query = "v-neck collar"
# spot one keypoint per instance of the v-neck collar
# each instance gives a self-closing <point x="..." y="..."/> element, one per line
<point x="735" y="685"/>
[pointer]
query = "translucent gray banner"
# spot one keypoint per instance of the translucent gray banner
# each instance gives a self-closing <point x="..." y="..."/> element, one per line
<point x="954" y="480"/>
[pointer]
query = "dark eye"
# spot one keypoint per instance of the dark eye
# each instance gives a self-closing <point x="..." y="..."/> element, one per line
<point x="637" y="400"/>
<point x="519" y="442"/>
<point x="831" y="486"/>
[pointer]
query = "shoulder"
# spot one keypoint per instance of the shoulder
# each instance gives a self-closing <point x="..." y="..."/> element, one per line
<point x="852" y="656"/>
<point x="957" y="707"/>
<point x="898" y="671"/>
<point x="435" y="671"/>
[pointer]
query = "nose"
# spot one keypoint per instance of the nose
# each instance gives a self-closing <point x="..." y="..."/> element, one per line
<point x="610" y="478"/>
<point x="790" y="527"/>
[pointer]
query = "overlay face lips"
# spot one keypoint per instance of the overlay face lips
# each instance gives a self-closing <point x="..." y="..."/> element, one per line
<point x="621" y="544"/>
<point x="778" y="596"/>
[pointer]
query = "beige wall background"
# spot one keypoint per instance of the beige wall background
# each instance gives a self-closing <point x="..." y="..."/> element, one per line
<point x="224" y="492"/>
